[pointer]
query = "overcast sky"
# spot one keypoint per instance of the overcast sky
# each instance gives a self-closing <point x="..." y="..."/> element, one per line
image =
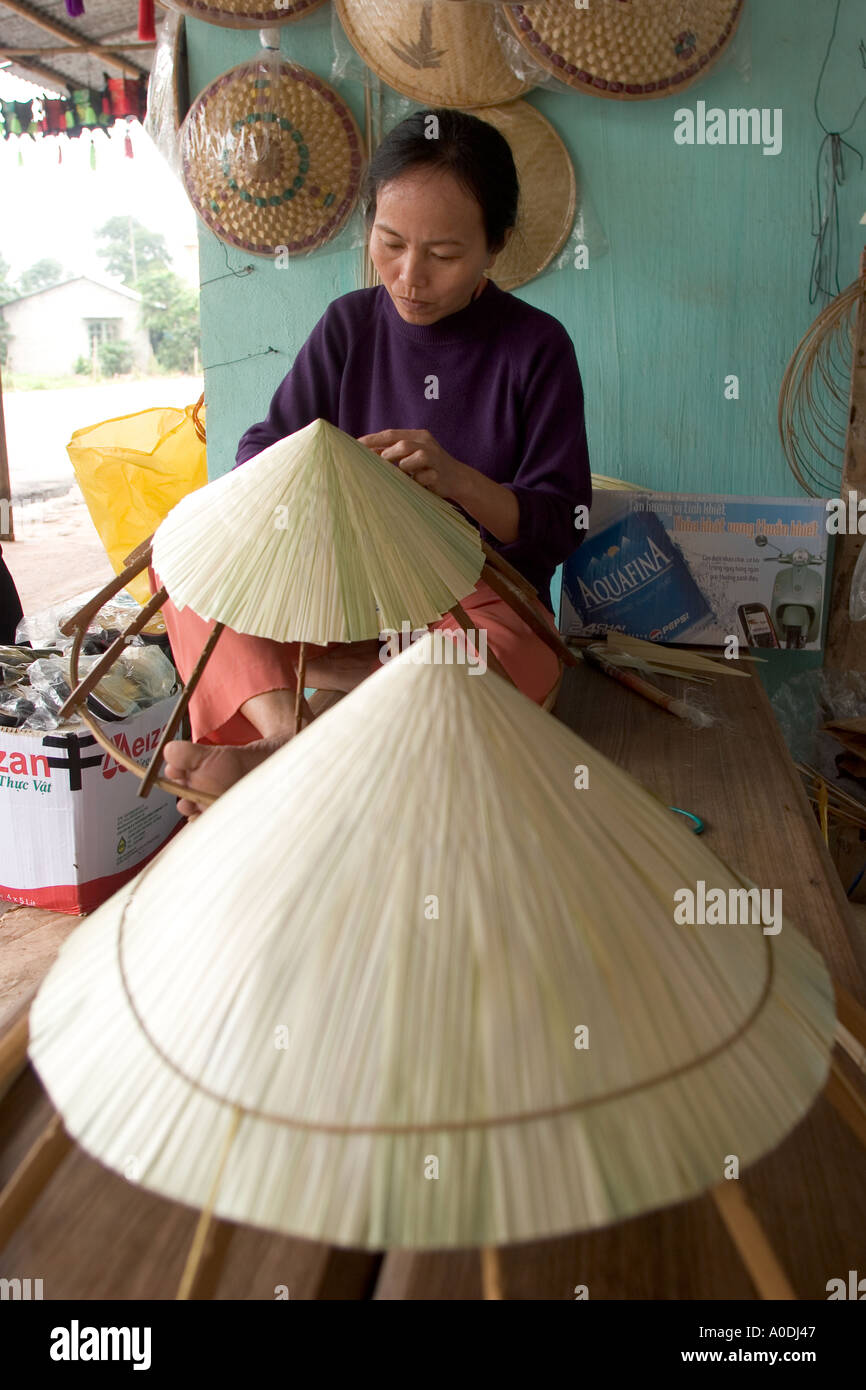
<point x="52" y="209"/>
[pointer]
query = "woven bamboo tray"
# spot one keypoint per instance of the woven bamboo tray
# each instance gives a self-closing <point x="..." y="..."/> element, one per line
<point x="439" y="53"/>
<point x="626" y="50"/>
<point x="272" y="158"/>
<point x="548" y="192"/>
<point x="245" y="14"/>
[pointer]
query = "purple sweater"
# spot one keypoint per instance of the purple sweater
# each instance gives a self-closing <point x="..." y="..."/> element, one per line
<point x="510" y="403"/>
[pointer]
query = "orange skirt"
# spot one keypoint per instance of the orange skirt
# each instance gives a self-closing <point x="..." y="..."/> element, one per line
<point x="241" y="666"/>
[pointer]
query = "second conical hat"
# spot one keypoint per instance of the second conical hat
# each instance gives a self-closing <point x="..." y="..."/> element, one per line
<point x="317" y="539"/>
<point x="418" y="980"/>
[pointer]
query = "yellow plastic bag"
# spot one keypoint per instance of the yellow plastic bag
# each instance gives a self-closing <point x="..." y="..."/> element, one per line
<point x="132" y="471"/>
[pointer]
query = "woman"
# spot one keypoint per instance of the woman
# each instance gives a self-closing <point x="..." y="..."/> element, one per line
<point x="472" y="392"/>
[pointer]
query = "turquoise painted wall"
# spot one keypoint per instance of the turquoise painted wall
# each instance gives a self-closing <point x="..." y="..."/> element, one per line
<point x="707" y="272"/>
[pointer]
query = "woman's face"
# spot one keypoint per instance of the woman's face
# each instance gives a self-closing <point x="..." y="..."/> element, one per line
<point x="428" y="244"/>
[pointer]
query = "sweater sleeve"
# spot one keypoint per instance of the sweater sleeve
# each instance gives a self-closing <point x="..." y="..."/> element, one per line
<point x="310" y="391"/>
<point x="554" y="472"/>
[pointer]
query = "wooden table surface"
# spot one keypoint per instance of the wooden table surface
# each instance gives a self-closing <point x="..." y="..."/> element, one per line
<point x="93" y="1235"/>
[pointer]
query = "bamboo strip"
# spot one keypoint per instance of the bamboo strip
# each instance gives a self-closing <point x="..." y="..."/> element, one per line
<point x="516" y="599"/>
<point x="119" y="754"/>
<point x="179" y="710"/>
<point x="499" y="562"/>
<point x="680" y="657"/>
<point x="138" y="560"/>
<point x="299" y="692"/>
<point x="846" y="1101"/>
<point x="197" y="1249"/>
<point x="94" y="676"/>
<point x="851" y="1013"/>
<point x="849" y="1044"/>
<point x="493" y="662"/>
<point x="212" y="1262"/>
<point x="491" y="1273"/>
<point x="32" y="1175"/>
<point x="748" y="1236"/>
<point x="13" y="1051"/>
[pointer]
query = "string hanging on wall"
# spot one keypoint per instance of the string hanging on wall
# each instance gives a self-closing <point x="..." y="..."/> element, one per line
<point x="829" y="177"/>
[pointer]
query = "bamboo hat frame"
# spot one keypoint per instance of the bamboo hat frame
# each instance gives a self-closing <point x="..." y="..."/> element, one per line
<point x="701" y="1042"/>
<point x="417" y="522"/>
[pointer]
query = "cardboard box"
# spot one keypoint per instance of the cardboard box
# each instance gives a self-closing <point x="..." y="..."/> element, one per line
<point x="679" y="568"/>
<point x="72" y="827"/>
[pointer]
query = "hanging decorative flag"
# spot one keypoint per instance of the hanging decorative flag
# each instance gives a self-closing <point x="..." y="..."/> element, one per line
<point x="127" y="96"/>
<point x="146" y="31"/>
<point x="74" y="8"/>
<point x="24" y="115"/>
<point x="17" y="118"/>
<point x="53" y="120"/>
<point x="91" y="108"/>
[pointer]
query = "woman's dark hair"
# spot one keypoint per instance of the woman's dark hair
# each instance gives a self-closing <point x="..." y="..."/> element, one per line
<point x="470" y="149"/>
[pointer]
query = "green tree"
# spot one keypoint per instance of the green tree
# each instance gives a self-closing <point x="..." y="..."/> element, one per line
<point x="41" y="275"/>
<point x="169" y="312"/>
<point x="130" y="251"/>
<point x="115" y="357"/>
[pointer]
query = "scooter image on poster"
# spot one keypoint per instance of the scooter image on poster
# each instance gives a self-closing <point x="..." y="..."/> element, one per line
<point x="795" y="608"/>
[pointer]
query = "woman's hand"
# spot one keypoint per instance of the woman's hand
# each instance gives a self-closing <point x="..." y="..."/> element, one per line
<point x="416" y="452"/>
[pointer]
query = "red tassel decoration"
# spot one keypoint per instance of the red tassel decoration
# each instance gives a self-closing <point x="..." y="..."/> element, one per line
<point x="146" y="29"/>
<point x="59" y="153"/>
<point x="127" y="146"/>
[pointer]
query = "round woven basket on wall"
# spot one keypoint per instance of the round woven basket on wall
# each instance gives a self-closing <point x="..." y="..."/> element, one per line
<point x="272" y="158"/>
<point x="438" y="53"/>
<point x="245" y="14"/>
<point x="628" y="50"/>
<point x="548" y="192"/>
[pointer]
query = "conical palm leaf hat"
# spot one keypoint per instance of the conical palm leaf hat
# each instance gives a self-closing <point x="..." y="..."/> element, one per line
<point x="439" y="990"/>
<point x="317" y="539"/>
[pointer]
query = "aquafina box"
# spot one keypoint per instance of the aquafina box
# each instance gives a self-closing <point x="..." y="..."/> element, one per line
<point x="630" y="576"/>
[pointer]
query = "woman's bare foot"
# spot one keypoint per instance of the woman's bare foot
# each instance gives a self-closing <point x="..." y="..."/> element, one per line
<point x="213" y="768"/>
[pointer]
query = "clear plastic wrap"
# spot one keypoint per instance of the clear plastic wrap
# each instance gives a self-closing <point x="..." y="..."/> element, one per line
<point x="166" y="90"/>
<point x="857" y="596"/>
<point x="140" y="677"/>
<point x="438" y="53"/>
<point x="273" y="161"/>
<point x="565" y="47"/>
<point x="803" y="704"/>
<point x="246" y="14"/>
<point x="42" y="629"/>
